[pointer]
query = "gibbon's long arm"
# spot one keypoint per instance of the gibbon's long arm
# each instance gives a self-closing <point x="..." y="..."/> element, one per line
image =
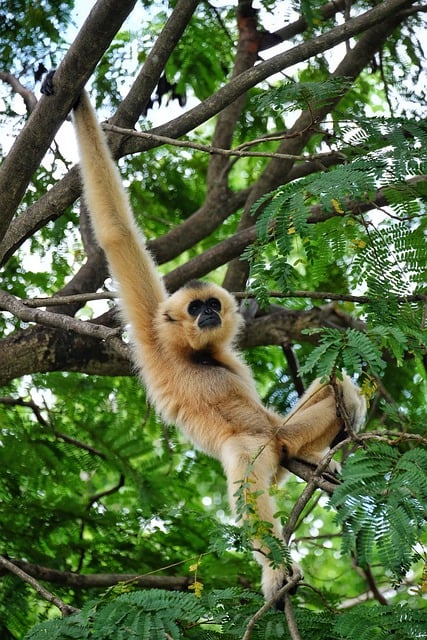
<point x="115" y="229"/>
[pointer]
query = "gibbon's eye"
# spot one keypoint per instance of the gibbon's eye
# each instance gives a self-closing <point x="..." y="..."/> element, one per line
<point x="195" y="307"/>
<point x="213" y="303"/>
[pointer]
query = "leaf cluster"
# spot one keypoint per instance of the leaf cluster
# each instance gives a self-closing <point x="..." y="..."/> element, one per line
<point x="223" y="615"/>
<point x="381" y="506"/>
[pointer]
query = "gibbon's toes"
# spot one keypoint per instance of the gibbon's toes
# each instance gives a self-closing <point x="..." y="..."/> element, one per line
<point x="280" y="603"/>
<point x="334" y="468"/>
<point x="275" y="579"/>
<point x="284" y="456"/>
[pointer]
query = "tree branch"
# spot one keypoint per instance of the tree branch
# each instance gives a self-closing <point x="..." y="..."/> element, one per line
<point x="289" y="586"/>
<point x="237" y="152"/>
<point x="28" y="96"/>
<point x="12" y="567"/>
<point x="28" y="150"/>
<point x="20" y="402"/>
<point x="59" y="321"/>
<point x="101" y="580"/>
<point x="276" y="172"/>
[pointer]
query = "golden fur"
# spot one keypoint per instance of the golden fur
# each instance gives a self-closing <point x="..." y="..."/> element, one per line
<point x="194" y="376"/>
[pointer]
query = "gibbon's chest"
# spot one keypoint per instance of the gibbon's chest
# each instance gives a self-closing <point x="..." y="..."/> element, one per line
<point x="197" y="378"/>
<point x="210" y="400"/>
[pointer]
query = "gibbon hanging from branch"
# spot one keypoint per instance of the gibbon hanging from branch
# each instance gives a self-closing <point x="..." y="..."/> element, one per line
<point x="183" y="345"/>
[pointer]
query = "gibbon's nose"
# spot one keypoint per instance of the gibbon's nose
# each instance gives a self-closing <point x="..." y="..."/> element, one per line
<point x="208" y="319"/>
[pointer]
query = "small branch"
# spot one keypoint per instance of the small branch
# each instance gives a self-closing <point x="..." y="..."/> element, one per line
<point x="107" y="492"/>
<point x="236" y="152"/>
<point x="293" y="366"/>
<point x="367" y="572"/>
<point x="28" y="96"/>
<point x="71" y="299"/>
<point x="20" y="402"/>
<point x="65" y="609"/>
<point x="391" y="437"/>
<point x="281" y="593"/>
<point x="290" y="618"/>
<point x="305" y="471"/>
<point x="305" y="496"/>
<point x="326" y="295"/>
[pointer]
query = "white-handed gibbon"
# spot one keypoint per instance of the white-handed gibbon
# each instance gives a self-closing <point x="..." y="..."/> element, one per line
<point x="183" y="345"/>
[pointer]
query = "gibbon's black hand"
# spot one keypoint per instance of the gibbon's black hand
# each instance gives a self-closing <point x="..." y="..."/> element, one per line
<point x="183" y="345"/>
<point x="47" y="84"/>
<point x="47" y="87"/>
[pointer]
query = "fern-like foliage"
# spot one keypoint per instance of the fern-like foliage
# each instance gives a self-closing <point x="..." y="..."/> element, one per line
<point x="290" y="96"/>
<point x="224" y="615"/>
<point x="148" y="615"/>
<point x="379" y="623"/>
<point x="381" y="506"/>
<point x="351" y="349"/>
<point x="385" y="259"/>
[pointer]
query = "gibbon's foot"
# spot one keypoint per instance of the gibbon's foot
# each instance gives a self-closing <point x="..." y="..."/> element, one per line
<point x="274" y="579"/>
<point x="284" y="456"/>
<point x="333" y="469"/>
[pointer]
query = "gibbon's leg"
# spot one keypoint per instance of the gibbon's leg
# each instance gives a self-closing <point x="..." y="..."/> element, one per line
<point x="314" y="423"/>
<point x="251" y="465"/>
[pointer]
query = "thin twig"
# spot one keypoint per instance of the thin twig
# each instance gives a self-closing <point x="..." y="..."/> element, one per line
<point x="30" y="404"/>
<point x="328" y="295"/>
<point x="240" y="295"/>
<point x="289" y="586"/>
<point x="65" y="609"/>
<point x="240" y="153"/>
<point x="290" y="618"/>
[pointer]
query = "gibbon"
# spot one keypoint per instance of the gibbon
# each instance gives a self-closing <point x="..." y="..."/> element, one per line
<point x="183" y="346"/>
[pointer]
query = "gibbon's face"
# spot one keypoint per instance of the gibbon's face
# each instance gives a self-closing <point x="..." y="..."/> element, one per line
<point x="200" y="315"/>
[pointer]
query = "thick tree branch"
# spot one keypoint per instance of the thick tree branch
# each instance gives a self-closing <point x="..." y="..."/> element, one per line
<point x="64" y="193"/>
<point x="245" y="58"/>
<point x="250" y="78"/>
<point x="41" y="349"/>
<point x="299" y="26"/>
<point x="49" y="207"/>
<point x="26" y="154"/>
<point x="136" y="100"/>
<point x="100" y="580"/>
<point x="196" y="116"/>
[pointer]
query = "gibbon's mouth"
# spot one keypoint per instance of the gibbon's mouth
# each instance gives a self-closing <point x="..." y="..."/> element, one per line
<point x="209" y="321"/>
